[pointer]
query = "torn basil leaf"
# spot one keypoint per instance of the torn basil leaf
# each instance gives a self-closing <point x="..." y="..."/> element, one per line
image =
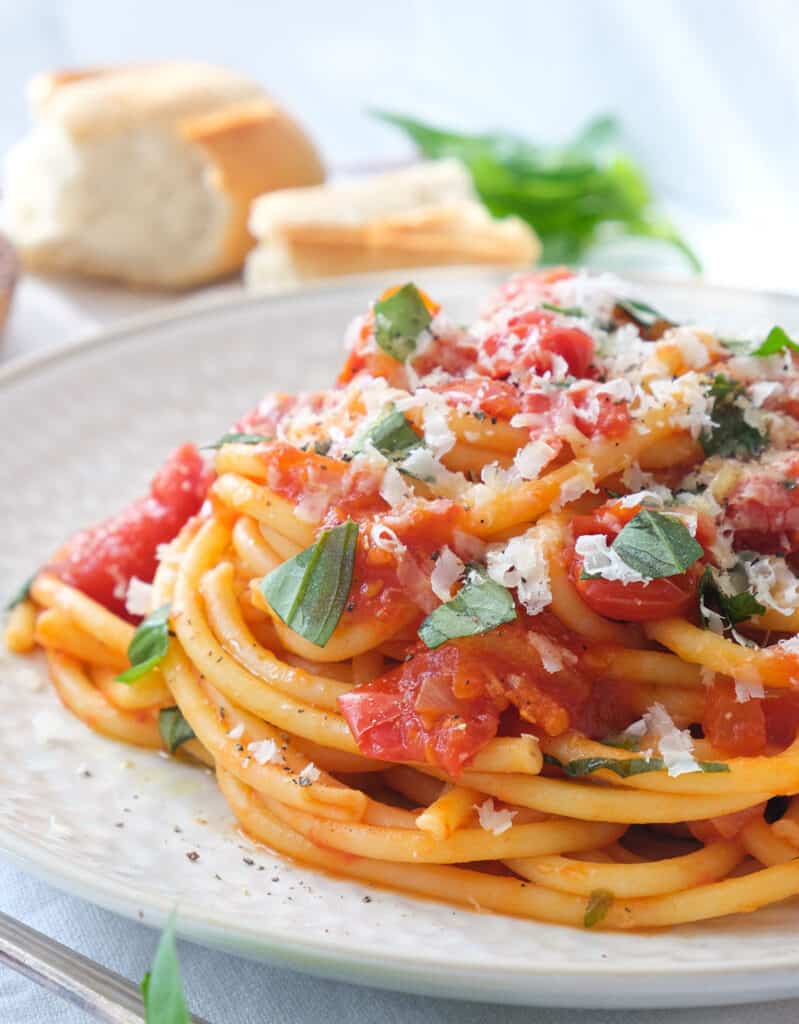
<point x="149" y="645"/>
<point x="563" y="310"/>
<point x="21" y="594"/>
<point x="162" y="986"/>
<point x="236" y="438"/>
<point x="730" y="593"/>
<point x="174" y="728"/>
<point x="777" y="340"/>
<point x="599" y="903"/>
<point x="393" y="436"/>
<point x="651" y="323"/>
<point x="731" y="435"/>
<point x="623" y="767"/>
<point x="309" y="592"/>
<point x="399" y="320"/>
<point x="656" y="545"/>
<point x="480" y="605"/>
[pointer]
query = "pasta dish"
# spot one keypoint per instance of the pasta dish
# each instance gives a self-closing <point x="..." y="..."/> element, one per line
<point x="507" y="617"/>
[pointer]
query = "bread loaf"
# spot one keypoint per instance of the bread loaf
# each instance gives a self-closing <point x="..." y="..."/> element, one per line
<point x="424" y="215"/>
<point x="146" y="174"/>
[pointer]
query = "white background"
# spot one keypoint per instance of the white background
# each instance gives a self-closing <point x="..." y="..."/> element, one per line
<point x="708" y="89"/>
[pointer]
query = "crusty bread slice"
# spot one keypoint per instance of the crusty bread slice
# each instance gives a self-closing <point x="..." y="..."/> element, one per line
<point x="424" y="215"/>
<point x="146" y="174"/>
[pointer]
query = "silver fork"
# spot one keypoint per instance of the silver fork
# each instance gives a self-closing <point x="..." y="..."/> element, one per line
<point x="100" y="992"/>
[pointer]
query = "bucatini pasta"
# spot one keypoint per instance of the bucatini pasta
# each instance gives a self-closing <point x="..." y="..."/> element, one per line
<point x="506" y="618"/>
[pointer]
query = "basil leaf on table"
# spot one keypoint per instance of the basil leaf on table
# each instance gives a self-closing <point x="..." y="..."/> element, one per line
<point x="237" y="438"/>
<point x="480" y="605"/>
<point x="174" y="728"/>
<point x="731" y="435"/>
<point x="399" y="320"/>
<point x="574" y="195"/>
<point x="656" y="545"/>
<point x="149" y="645"/>
<point x="309" y="592"/>
<point x="21" y="594"/>
<point x="162" y="986"/>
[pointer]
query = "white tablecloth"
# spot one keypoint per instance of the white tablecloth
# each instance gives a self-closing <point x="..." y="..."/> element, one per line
<point x="223" y="988"/>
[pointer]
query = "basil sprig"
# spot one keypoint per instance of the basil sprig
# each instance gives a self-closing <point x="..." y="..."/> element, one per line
<point x="731" y="434"/>
<point x="21" y="594"/>
<point x="309" y="592"/>
<point x="563" y="310"/>
<point x="174" y="728"/>
<point x="399" y="320"/>
<point x="656" y="545"/>
<point x="149" y="645"/>
<point x="393" y="436"/>
<point x="599" y="903"/>
<point x="623" y="767"/>
<point x="237" y="438"/>
<point x="480" y="605"/>
<point x="162" y="986"/>
<point x="734" y="607"/>
<point x="777" y="340"/>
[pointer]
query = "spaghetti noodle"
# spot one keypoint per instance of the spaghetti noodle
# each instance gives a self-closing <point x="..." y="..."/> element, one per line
<point x="507" y="617"/>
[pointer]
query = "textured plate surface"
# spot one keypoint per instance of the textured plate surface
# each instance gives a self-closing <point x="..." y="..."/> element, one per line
<point x="82" y="431"/>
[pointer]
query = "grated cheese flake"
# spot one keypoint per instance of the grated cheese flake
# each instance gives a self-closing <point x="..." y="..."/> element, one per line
<point x="599" y="559"/>
<point x="493" y="820"/>
<point x="447" y="571"/>
<point x="263" y="751"/>
<point x="522" y="563"/>
<point x="138" y="600"/>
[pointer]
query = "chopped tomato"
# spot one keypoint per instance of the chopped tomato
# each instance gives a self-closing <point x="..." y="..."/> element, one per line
<point x="412" y="713"/>
<point x="782" y="718"/>
<point x="737" y="728"/>
<point x="532" y="286"/>
<point x="763" y="506"/>
<point x="494" y="398"/>
<point x="101" y="560"/>
<point x="612" y="419"/>
<point x="638" y="602"/>
<point x="409" y="714"/>
<point x="531" y="341"/>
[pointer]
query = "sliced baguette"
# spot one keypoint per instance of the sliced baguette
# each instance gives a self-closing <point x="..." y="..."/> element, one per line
<point x="145" y="174"/>
<point x="424" y="215"/>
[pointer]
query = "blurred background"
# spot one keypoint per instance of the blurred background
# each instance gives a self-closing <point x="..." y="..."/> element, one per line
<point x="707" y="91"/>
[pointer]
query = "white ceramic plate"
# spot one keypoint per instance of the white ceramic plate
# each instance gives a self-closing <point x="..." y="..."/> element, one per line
<point x="82" y="430"/>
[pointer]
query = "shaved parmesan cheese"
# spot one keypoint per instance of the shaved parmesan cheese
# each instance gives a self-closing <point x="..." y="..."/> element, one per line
<point x="745" y="691"/>
<point x="311" y="507"/>
<point x="650" y="498"/>
<point x="578" y="485"/>
<point x="263" y="751"/>
<point x="237" y="731"/>
<point x="761" y="391"/>
<point x="692" y="349"/>
<point x="309" y="774"/>
<point x="791" y="645"/>
<point x="393" y="488"/>
<point x="675" y="745"/>
<point x="138" y="600"/>
<point x="447" y="571"/>
<point x="522" y="563"/>
<point x="531" y="459"/>
<point x="601" y="560"/>
<point x="773" y="583"/>
<point x="383" y="537"/>
<point x="553" y="657"/>
<point x="493" y="820"/>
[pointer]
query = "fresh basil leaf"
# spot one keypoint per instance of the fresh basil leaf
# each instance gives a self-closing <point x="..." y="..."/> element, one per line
<point x="162" y="987"/>
<point x="174" y="728"/>
<point x="309" y="592"/>
<point x="480" y="605"/>
<point x="733" y="607"/>
<point x="622" y="741"/>
<point x="149" y="645"/>
<point x="731" y="434"/>
<point x="236" y="438"/>
<point x="399" y="320"/>
<point x="623" y="767"/>
<point x="656" y="545"/>
<point x="21" y="594"/>
<point x="563" y="310"/>
<point x="777" y="340"/>
<point x="643" y="314"/>
<point x="599" y="903"/>
<point x="393" y="435"/>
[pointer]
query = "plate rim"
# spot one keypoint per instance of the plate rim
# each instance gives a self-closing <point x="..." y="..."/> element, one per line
<point x="398" y="969"/>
